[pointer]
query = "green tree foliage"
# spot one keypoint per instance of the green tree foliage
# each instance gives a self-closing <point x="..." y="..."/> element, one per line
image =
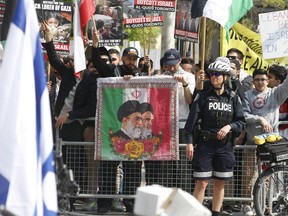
<point x="142" y="34"/>
<point x="281" y="4"/>
<point x="212" y="28"/>
<point x="251" y="20"/>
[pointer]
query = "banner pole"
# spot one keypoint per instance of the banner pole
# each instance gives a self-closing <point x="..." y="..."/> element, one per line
<point x="203" y="38"/>
<point x="150" y="30"/>
<point x="143" y="39"/>
<point x="200" y="84"/>
<point x="193" y="45"/>
<point x="94" y="24"/>
<point x="86" y="31"/>
<point x="185" y="49"/>
<point x="48" y="71"/>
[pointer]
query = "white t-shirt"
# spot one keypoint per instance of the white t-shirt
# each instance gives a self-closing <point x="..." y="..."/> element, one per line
<point x="183" y="105"/>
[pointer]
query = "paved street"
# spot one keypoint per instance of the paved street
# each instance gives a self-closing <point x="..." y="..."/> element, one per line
<point x="128" y="214"/>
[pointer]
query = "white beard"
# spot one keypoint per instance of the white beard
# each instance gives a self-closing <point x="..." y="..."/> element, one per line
<point x="133" y="132"/>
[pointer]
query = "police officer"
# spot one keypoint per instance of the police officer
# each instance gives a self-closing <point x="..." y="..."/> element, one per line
<point x="220" y="111"/>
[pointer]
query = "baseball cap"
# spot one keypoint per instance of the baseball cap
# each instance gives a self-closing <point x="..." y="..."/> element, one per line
<point x="130" y="51"/>
<point x="103" y="51"/>
<point x="171" y="57"/>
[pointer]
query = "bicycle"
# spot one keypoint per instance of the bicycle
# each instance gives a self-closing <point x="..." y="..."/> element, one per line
<point x="270" y="193"/>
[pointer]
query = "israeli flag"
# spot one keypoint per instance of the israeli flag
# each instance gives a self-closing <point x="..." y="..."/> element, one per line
<point x="27" y="176"/>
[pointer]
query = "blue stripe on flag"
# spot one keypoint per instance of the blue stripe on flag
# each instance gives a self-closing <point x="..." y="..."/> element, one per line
<point x="42" y="200"/>
<point x="3" y="189"/>
<point x="40" y="85"/>
<point x="39" y="74"/>
<point x="19" y="18"/>
<point x="48" y="166"/>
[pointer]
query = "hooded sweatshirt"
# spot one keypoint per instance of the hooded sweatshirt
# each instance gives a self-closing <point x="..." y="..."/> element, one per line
<point x="265" y="104"/>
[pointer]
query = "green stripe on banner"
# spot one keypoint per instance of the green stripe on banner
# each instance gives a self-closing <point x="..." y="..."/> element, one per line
<point x="111" y="102"/>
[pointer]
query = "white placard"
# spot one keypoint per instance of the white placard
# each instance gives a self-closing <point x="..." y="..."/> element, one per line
<point x="274" y="34"/>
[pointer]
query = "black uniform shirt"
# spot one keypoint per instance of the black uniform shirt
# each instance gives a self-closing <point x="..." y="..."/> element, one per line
<point x="215" y="111"/>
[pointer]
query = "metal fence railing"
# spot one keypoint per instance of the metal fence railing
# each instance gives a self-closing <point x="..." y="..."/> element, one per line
<point x="97" y="179"/>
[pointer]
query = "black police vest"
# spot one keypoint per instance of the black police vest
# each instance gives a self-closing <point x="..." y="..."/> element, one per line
<point x="217" y="111"/>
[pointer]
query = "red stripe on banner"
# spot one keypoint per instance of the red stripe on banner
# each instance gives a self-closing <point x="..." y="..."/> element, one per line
<point x="86" y="9"/>
<point x="160" y="100"/>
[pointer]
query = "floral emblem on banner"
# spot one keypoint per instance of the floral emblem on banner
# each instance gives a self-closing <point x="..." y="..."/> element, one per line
<point x="137" y="148"/>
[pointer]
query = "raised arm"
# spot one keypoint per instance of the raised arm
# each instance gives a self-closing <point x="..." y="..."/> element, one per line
<point x="53" y="57"/>
<point x="103" y="69"/>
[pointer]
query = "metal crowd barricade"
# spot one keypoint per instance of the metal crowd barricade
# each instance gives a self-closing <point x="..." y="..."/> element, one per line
<point x="166" y="173"/>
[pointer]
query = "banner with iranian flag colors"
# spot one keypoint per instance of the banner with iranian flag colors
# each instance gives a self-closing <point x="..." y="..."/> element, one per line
<point x="137" y="119"/>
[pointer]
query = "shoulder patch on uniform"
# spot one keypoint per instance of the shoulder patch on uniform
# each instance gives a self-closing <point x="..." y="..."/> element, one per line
<point x="197" y="97"/>
<point x="232" y="94"/>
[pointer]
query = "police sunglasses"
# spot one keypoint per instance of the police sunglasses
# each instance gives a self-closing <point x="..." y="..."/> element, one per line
<point x="216" y="74"/>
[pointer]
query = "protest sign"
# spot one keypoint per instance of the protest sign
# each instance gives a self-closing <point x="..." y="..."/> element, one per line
<point x="108" y="18"/>
<point x="58" y="15"/>
<point x="136" y="18"/>
<point x="186" y="28"/>
<point x="274" y="34"/>
<point x="155" y="5"/>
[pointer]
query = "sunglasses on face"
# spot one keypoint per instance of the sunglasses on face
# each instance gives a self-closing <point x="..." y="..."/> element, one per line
<point x="260" y="80"/>
<point x="231" y="57"/>
<point x="216" y="74"/>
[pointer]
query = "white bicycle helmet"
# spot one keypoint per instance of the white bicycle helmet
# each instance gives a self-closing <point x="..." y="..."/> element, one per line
<point x="222" y="65"/>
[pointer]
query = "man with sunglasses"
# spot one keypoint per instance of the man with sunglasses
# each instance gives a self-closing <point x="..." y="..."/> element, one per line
<point x="236" y="54"/>
<point x="220" y="111"/>
<point x="261" y="111"/>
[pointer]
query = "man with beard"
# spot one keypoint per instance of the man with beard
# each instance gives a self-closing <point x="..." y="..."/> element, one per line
<point x="147" y="117"/>
<point x="126" y="70"/>
<point x="129" y="60"/>
<point x="130" y="116"/>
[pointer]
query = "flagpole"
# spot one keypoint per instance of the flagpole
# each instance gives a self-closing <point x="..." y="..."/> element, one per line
<point x="193" y="51"/>
<point x="144" y="42"/>
<point x="93" y="22"/>
<point x="86" y="31"/>
<point x="203" y="38"/>
<point x="150" y="30"/>
<point x="203" y="25"/>
<point x="185" y="49"/>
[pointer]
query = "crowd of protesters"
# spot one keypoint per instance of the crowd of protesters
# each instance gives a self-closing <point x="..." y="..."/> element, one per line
<point x="220" y="99"/>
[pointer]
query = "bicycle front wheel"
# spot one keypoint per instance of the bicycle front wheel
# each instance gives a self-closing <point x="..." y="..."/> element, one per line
<point x="270" y="192"/>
